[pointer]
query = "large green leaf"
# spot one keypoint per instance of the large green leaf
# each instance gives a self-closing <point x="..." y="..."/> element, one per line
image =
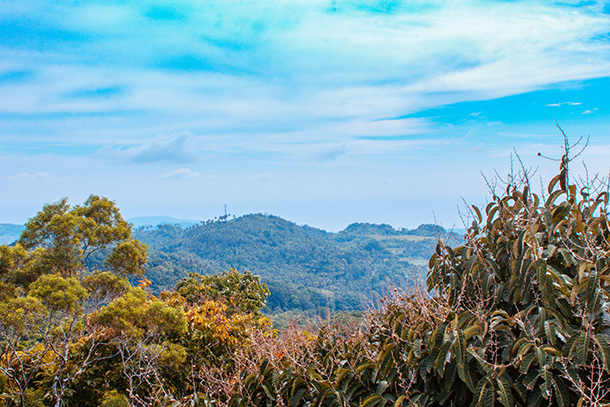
<point x="506" y="394"/>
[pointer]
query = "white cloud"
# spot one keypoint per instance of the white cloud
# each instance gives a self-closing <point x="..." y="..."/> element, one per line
<point x="24" y="176"/>
<point x="182" y="173"/>
<point x="272" y="87"/>
<point x="564" y="103"/>
<point x="272" y="64"/>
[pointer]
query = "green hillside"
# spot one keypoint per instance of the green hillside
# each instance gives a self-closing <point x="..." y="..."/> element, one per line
<point x="305" y="268"/>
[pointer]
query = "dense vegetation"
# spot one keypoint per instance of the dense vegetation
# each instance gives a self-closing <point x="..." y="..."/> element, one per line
<point x="519" y="317"/>
<point x="306" y="269"/>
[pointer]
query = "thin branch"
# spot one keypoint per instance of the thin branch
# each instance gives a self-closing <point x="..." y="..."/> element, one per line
<point x="582" y="149"/>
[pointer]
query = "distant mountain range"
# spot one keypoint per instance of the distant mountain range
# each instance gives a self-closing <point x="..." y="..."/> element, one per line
<point x="160" y="220"/>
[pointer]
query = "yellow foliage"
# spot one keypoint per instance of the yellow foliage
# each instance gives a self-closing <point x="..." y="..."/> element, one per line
<point x="211" y="320"/>
<point x="173" y="299"/>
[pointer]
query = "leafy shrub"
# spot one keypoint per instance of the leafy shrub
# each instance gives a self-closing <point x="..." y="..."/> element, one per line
<point x="519" y="317"/>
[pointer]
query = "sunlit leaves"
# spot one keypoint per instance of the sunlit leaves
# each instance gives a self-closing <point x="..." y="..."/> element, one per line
<point x="21" y="315"/>
<point x="241" y="292"/>
<point x="58" y="293"/>
<point x="137" y="314"/>
<point x="67" y="236"/>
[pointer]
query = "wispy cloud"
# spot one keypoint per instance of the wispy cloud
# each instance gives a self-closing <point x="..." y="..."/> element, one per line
<point x="564" y="103"/>
<point x="272" y="64"/>
<point x="175" y="148"/>
<point x="273" y="86"/>
<point x="24" y="176"/>
<point x="182" y="173"/>
<point x="330" y="154"/>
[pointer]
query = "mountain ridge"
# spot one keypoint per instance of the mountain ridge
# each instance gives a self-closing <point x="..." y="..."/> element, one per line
<point x="304" y="267"/>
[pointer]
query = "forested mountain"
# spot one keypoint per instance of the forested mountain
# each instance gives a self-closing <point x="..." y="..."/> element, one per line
<point x="305" y="268"/>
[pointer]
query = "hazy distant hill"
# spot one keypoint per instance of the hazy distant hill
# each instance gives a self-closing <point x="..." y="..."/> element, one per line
<point x="9" y="232"/>
<point x="160" y="220"/>
<point x="305" y="268"/>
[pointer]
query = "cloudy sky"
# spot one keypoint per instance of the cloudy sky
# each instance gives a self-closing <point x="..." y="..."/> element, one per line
<point x="322" y="112"/>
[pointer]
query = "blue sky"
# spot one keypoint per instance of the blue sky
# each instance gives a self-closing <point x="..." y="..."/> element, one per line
<point x="323" y="112"/>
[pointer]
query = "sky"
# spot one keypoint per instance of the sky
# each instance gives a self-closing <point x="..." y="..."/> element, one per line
<point x="323" y="112"/>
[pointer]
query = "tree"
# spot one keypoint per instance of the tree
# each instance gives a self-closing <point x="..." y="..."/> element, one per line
<point x="243" y="292"/>
<point x="22" y="353"/>
<point x="222" y="312"/>
<point x="49" y="284"/>
<point x="69" y="236"/>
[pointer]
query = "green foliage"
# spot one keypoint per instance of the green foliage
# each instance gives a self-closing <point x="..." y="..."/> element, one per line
<point x="34" y="398"/>
<point x="222" y="311"/>
<point x="67" y="236"/>
<point x="20" y="267"/>
<point x="55" y="229"/>
<point x="520" y="318"/>
<point x="20" y="314"/>
<point x="515" y="315"/>
<point x="128" y="258"/>
<point x="530" y="287"/>
<point x="11" y="258"/>
<point x="242" y="291"/>
<point x="137" y="314"/>
<point x="105" y="286"/>
<point x="73" y="330"/>
<point x="48" y="338"/>
<point x="58" y="293"/>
